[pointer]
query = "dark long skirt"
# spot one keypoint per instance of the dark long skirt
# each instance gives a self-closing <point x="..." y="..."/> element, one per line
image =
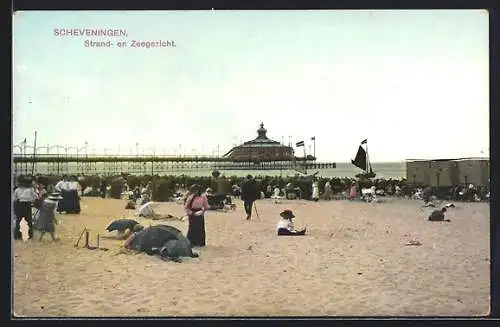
<point x="46" y="218"/>
<point x="196" y="230"/>
<point x="23" y="209"/>
<point x="70" y="202"/>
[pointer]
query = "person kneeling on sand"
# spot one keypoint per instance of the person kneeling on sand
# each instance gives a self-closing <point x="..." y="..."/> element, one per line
<point x="147" y="210"/>
<point x="285" y="225"/>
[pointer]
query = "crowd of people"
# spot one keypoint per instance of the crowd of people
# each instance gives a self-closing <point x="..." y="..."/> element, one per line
<point x="64" y="197"/>
<point x="352" y="188"/>
<point x="36" y="204"/>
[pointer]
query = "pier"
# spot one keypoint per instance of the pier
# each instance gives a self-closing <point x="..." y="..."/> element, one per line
<point x="57" y="164"/>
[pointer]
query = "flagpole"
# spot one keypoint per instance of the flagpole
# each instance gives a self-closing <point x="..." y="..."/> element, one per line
<point x="314" y="147"/>
<point x="34" y="157"/>
<point x="24" y="155"/>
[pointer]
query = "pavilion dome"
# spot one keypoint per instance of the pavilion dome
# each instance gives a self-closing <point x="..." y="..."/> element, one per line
<point x="261" y="149"/>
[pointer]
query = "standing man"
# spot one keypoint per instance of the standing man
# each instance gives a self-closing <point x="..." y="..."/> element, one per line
<point x="103" y="188"/>
<point x="249" y="193"/>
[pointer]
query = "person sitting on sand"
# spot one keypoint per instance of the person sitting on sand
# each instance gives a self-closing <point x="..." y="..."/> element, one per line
<point x="285" y="225"/>
<point x="438" y="215"/>
<point x="147" y="211"/>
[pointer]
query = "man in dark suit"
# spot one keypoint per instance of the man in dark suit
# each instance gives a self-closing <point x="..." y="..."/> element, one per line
<point x="249" y="193"/>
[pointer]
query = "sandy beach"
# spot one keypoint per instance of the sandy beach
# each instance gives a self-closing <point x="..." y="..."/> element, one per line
<point x="353" y="261"/>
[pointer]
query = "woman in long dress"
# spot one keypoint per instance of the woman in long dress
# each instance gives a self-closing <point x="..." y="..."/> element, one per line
<point x="315" y="191"/>
<point x="353" y="192"/>
<point x="196" y="205"/>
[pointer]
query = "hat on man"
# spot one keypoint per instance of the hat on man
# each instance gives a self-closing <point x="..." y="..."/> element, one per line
<point x="287" y="214"/>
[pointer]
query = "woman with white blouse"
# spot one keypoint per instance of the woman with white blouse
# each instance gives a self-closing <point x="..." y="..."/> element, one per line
<point x="285" y="226"/>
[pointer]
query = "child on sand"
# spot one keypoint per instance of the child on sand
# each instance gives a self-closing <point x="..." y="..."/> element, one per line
<point x="285" y="225"/>
<point x="47" y="218"/>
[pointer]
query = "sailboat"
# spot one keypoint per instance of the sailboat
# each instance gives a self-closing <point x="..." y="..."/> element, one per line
<point x="362" y="161"/>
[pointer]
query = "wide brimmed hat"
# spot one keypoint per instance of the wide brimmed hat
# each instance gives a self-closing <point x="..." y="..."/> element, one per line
<point x="287" y="214"/>
<point x="24" y="180"/>
<point x="55" y="196"/>
<point x="194" y="187"/>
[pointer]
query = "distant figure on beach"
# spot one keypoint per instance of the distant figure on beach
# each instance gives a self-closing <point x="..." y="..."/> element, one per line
<point x="41" y="193"/>
<point x="46" y="219"/>
<point x="328" y="191"/>
<point x="103" y="188"/>
<point x="426" y="194"/>
<point x="196" y="205"/>
<point x="24" y="198"/>
<point x="277" y="197"/>
<point x="236" y="190"/>
<point x="61" y="184"/>
<point x="124" y="228"/>
<point x="285" y="225"/>
<point x="130" y="205"/>
<point x="136" y="193"/>
<point x="438" y="215"/>
<point x="70" y="202"/>
<point x="249" y="193"/>
<point x="315" y="191"/>
<point x="269" y="191"/>
<point x="353" y="191"/>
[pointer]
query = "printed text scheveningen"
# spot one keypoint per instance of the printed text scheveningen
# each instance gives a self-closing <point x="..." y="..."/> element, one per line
<point x="89" y="32"/>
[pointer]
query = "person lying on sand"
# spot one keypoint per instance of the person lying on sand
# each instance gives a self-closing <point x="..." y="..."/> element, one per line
<point x="438" y="215"/>
<point x="147" y="211"/>
<point x="124" y="228"/>
<point x="285" y="225"/>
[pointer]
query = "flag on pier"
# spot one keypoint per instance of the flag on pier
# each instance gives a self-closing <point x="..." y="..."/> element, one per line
<point x="313" y="138"/>
<point x="301" y="143"/>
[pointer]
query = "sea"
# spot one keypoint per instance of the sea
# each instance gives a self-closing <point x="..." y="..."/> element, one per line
<point x="394" y="170"/>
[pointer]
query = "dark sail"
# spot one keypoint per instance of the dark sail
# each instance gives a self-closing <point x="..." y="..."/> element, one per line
<point x="360" y="160"/>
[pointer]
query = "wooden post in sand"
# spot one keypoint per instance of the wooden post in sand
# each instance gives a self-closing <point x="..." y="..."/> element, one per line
<point x="97" y="240"/>
<point x="86" y="239"/>
<point x="78" y="242"/>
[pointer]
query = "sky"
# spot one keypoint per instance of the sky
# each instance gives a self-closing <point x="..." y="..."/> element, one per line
<point x="414" y="83"/>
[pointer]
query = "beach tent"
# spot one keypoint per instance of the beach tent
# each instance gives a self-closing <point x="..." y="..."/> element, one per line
<point x="152" y="239"/>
